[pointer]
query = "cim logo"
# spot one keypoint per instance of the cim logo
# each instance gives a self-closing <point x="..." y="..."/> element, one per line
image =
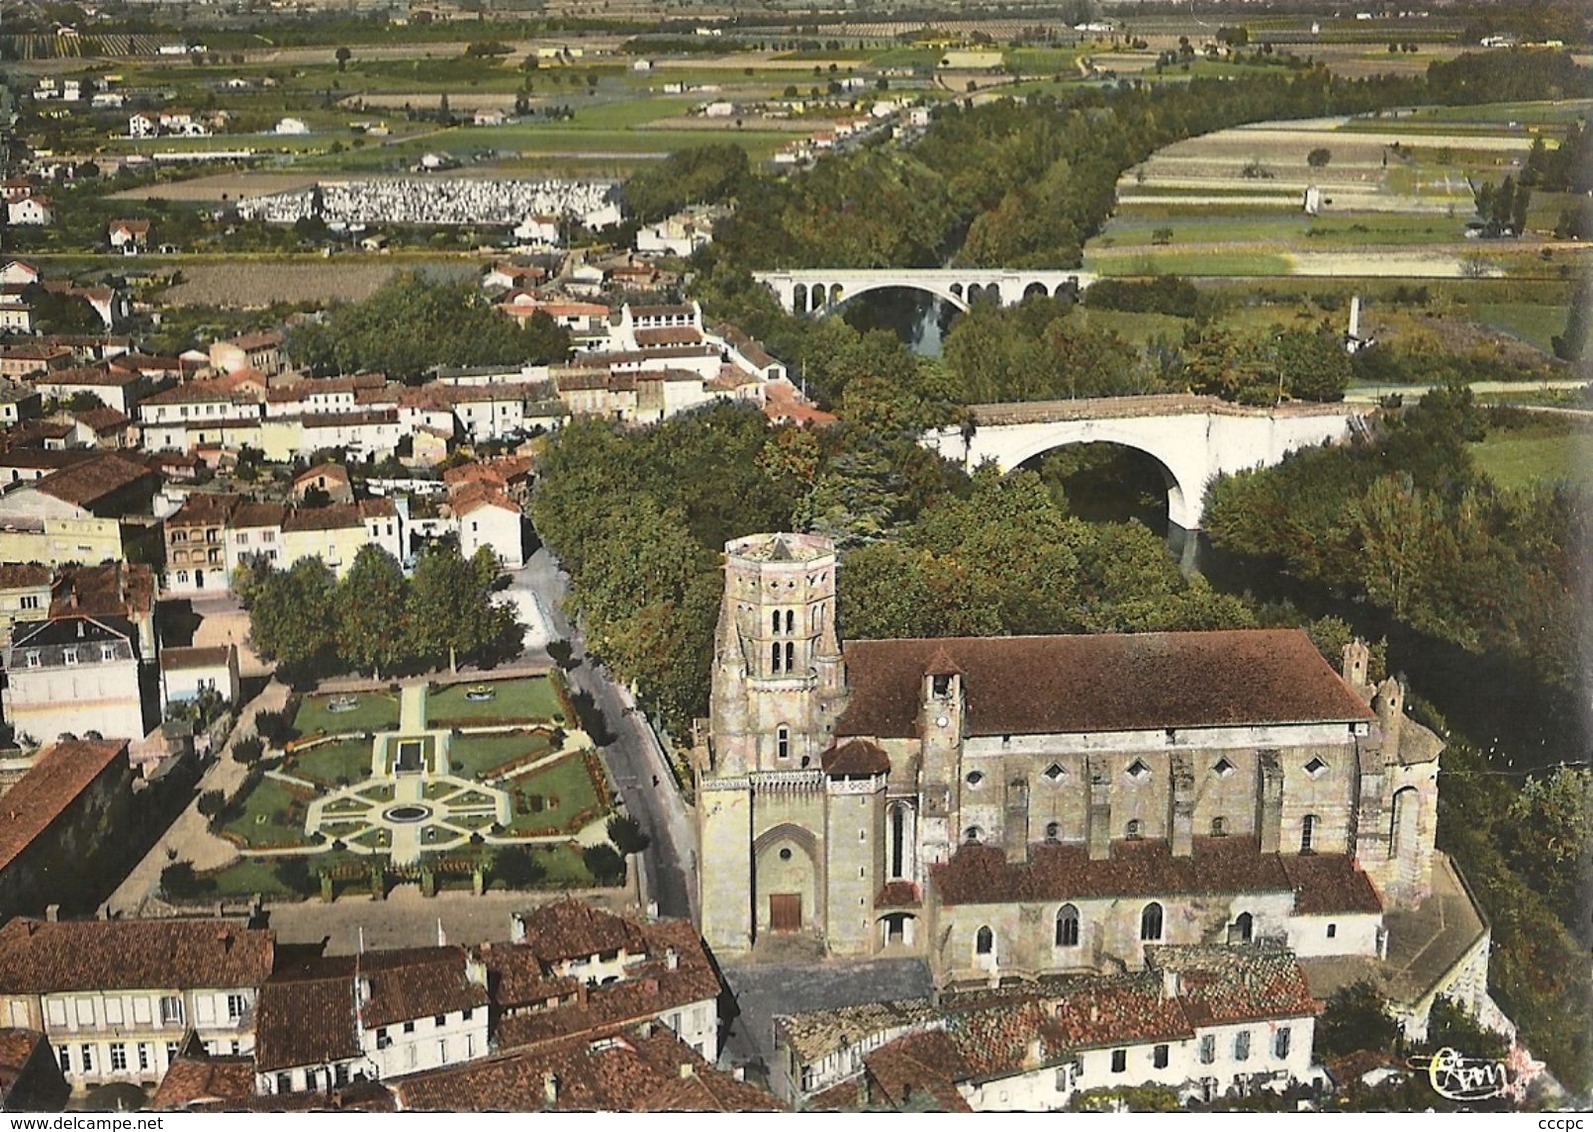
<point x="1456" y="1077"/>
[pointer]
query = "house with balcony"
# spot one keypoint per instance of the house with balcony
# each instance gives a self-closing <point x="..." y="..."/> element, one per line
<point x="196" y="545"/>
<point x="115" y="997"/>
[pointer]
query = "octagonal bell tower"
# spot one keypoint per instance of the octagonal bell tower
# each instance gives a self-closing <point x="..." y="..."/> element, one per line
<point x="778" y="683"/>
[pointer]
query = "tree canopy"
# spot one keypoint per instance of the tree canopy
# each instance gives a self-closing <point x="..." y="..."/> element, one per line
<point x="411" y="325"/>
<point x="375" y="620"/>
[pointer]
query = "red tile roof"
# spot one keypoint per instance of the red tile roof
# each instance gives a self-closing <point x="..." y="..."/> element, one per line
<point x="249" y="515"/>
<point x="920" y="1066"/>
<point x="1219" y="985"/>
<point x="37" y="957"/>
<point x="118" y="589"/>
<point x="573" y="929"/>
<point x="640" y="1069"/>
<point x="227" y="1081"/>
<point x="93" y="479"/>
<point x="1106" y="682"/>
<point x="14" y="575"/>
<point x="857" y="758"/>
<point x="62" y="772"/>
<point x="305" y="1022"/>
<point x="978" y="874"/>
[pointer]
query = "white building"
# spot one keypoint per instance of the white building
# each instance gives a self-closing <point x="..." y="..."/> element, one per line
<point x="73" y="675"/>
<point x="377" y="1015"/>
<point x="31" y="211"/>
<point x="188" y="673"/>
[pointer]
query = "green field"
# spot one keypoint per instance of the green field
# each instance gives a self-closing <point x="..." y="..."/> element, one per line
<point x="1156" y="261"/>
<point x="1517" y="458"/>
<point x="376" y="711"/>
<point x="522" y="700"/>
<point x="1536" y="323"/>
<point x="566" y="791"/>
<point x="338" y="763"/>
<point x="478" y="756"/>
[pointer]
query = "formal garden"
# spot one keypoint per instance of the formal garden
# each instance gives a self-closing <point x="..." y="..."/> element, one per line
<point x="350" y="792"/>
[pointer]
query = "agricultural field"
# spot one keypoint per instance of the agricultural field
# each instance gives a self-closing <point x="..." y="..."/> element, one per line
<point x="273" y="279"/>
<point x="1396" y="196"/>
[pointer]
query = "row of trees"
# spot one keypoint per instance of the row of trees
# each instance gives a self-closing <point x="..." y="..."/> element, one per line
<point x="375" y="619"/>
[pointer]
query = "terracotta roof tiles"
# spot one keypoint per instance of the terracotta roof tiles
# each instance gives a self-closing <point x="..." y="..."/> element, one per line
<point x="38" y="957"/>
<point x="1105" y="682"/>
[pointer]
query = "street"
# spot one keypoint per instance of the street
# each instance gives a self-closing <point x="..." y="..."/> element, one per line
<point x="634" y="759"/>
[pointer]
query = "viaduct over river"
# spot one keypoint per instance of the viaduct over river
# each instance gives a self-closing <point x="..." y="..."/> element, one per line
<point x="1193" y="438"/>
<point x="818" y="290"/>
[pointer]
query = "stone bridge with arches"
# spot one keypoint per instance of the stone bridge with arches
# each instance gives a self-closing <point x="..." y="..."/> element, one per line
<point x="819" y="290"/>
<point x="1193" y="438"/>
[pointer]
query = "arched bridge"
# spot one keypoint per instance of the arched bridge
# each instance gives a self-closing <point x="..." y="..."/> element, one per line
<point x="1193" y="438"/>
<point x="818" y="290"/>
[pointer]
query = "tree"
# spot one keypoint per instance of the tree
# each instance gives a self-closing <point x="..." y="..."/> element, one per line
<point x="248" y="750"/>
<point x="293" y="874"/>
<point x="411" y="325"/>
<point x="1319" y="157"/>
<point x="342" y="55"/>
<point x="1356" y="1018"/>
<point x="293" y="617"/>
<point x="626" y="834"/>
<point x="372" y="632"/>
<point x="516" y="867"/>
<point x="450" y="605"/>
<point x="604" y="863"/>
<point x="211" y="803"/>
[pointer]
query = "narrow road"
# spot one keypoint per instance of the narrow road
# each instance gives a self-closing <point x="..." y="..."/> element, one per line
<point x="1371" y="394"/>
<point x="634" y="758"/>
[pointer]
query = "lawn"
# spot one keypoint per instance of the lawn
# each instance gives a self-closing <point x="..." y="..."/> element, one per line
<point x="1531" y="322"/>
<point x="562" y="867"/>
<point x="1134" y="326"/>
<point x="478" y="756"/>
<point x="563" y="789"/>
<point x="333" y="764"/>
<point x="267" y="820"/>
<point x="526" y="699"/>
<point x="376" y="711"/>
<point x="1521" y="457"/>
<point x="247" y="876"/>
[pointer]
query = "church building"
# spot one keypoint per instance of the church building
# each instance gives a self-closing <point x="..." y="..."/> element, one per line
<point x="1033" y="806"/>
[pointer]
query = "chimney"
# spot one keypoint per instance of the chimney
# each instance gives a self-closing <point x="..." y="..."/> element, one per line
<point x="1170" y="984"/>
<point x="687" y="1071"/>
<point x="739" y="1073"/>
<point x="550" y="1088"/>
<point x="1036" y="1054"/>
<point x="671" y="958"/>
<point x="52" y="913"/>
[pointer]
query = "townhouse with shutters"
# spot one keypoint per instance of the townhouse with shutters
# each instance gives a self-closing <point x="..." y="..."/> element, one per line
<point x="325" y="1023"/>
<point x="915" y="797"/>
<point x="114" y="998"/>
